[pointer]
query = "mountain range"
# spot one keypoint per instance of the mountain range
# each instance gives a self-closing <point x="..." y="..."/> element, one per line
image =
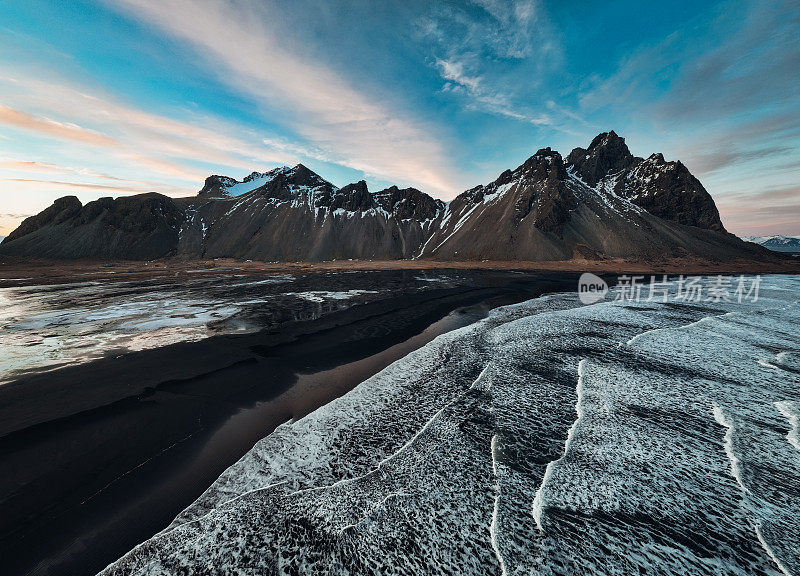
<point x="598" y="202"/>
<point x="790" y="244"/>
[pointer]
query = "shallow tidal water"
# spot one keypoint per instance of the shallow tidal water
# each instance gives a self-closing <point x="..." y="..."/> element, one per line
<point x="45" y="327"/>
<point x="549" y="438"/>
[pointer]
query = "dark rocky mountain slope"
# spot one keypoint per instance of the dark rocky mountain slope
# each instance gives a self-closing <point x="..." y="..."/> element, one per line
<point x="138" y="227"/>
<point x="295" y="215"/>
<point x="665" y="189"/>
<point x="544" y="210"/>
<point x="598" y="202"/>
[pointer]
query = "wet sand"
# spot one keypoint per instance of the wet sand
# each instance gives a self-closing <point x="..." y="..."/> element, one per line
<point x="99" y="457"/>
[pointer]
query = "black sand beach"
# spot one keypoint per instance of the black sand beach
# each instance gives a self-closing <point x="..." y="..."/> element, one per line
<point x="99" y="457"/>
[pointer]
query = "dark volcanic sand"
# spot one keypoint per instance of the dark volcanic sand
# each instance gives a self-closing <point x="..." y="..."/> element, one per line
<point x="101" y="456"/>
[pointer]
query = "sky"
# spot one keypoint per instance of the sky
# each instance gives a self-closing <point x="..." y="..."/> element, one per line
<point x="113" y="97"/>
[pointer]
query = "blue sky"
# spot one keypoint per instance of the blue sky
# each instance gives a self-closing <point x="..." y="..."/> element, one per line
<point x="109" y="97"/>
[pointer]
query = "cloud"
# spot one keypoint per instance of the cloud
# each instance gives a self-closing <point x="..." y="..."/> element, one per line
<point x="721" y="95"/>
<point x="724" y="153"/>
<point x="763" y="196"/>
<point x="754" y="67"/>
<point x="482" y="98"/>
<point x="247" y="53"/>
<point x="498" y="29"/>
<point x="47" y="167"/>
<point x="155" y="144"/>
<point x="743" y="61"/>
<point x="121" y="185"/>
<point x="454" y="71"/>
<point x="513" y="27"/>
<point x="772" y="135"/>
<point x="72" y="132"/>
<point x="284" y="145"/>
<point x="79" y="185"/>
<point x="752" y="219"/>
<point x="484" y="54"/>
<point x="757" y="207"/>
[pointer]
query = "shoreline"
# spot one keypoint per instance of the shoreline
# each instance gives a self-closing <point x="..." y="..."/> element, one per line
<point x="108" y="453"/>
<point x="19" y="273"/>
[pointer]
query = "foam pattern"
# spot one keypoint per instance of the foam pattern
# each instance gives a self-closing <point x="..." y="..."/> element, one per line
<point x="550" y="438"/>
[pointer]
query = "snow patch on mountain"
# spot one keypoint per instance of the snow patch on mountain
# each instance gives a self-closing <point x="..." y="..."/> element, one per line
<point x="253" y="181"/>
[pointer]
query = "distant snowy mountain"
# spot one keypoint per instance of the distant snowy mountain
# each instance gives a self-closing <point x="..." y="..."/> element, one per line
<point x="2" y="238"/>
<point x="776" y="243"/>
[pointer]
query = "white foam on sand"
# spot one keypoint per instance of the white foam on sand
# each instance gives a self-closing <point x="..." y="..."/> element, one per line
<point x="493" y="527"/>
<point x="432" y="465"/>
<point x="539" y="499"/>
<point x="735" y="463"/>
<point x="792" y="414"/>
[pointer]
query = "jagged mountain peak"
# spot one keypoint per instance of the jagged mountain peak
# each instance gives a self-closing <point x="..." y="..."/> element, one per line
<point x="301" y="173"/>
<point x="405" y="203"/>
<point x="547" y="155"/>
<point x="606" y="155"/>
<point x="610" y="140"/>
<point x="664" y="188"/>
<point x="353" y="198"/>
<point x="361" y="186"/>
<point x="546" y="163"/>
<point x="298" y="175"/>
<point x="226" y="187"/>
<point x="668" y="189"/>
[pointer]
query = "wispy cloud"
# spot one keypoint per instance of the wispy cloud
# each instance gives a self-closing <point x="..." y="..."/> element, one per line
<point x="745" y="60"/>
<point x="48" y="167"/>
<point x="295" y="149"/>
<point x="768" y="210"/>
<point x="157" y="144"/>
<point x="116" y="189"/>
<point x="513" y="28"/>
<point x="481" y="97"/>
<point x="497" y="29"/>
<point x="481" y="50"/>
<point x="752" y="69"/>
<point x="718" y="156"/>
<point x="66" y="131"/>
<point x="81" y="135"/>
<point x="722" y="96"/>
<point x="323" y="108"/>
<point x="454" y="71"/>
<point x="771" y="138"/>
